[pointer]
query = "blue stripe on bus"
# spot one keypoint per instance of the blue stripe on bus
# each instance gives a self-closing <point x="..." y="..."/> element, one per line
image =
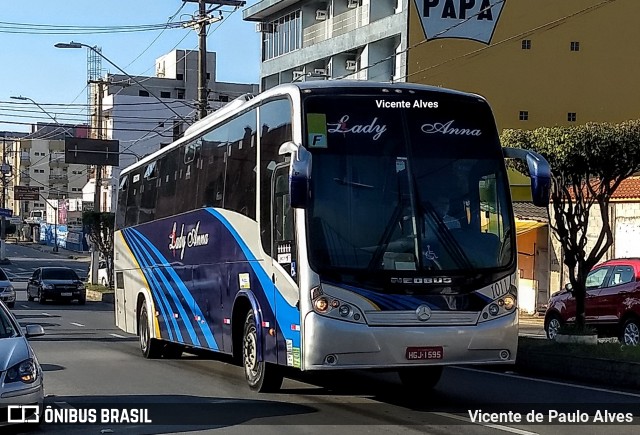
<point x="193" y="306"/>
<point x="186" y="319"/>
<point x="286" y="314"/>
<point x="144" y="267"/>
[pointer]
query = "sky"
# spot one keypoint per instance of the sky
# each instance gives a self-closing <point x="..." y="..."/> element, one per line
<point x="32" y="67"/>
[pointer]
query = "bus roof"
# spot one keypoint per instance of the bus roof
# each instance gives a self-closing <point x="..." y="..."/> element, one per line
<point x="327" y="87"/>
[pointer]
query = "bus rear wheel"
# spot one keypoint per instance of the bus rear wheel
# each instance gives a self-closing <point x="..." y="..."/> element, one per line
<point x="150" y="347"/>
<point x="261" y="376"/>
<point x="420" y="378"/>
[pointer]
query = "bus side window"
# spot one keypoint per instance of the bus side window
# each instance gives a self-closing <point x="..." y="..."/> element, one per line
<point x="275" y="129"/>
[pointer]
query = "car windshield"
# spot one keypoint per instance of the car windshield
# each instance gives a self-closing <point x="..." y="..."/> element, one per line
<point x="7" y="328"/>
<point x="66" y="274"/>
<point x="3" y="276"/>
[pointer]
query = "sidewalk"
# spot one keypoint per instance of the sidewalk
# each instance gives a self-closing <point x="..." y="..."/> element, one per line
<point x="61" y="251"/>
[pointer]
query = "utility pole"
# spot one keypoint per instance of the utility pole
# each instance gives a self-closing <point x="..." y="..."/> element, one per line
<point x="98" y="135"/>
<point x="201" y="23"/>
<point x="6" y="169"/>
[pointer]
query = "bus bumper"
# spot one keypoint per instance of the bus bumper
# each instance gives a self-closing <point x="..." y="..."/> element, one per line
<point x="334" y="344"/>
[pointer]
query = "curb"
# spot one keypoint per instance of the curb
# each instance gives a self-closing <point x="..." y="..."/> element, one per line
<point x="95" y="296"/>
<point x="607" y="372"/>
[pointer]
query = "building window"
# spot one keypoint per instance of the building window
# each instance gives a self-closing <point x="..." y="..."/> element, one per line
<point x="223" y="98"/>
<point x="208" y="76"/>
<point x="571" y="116"/>
<point x="526" y="44"/>
<point x="575" y="46"/>
<point x="180" y="93"/>
<point x="180" y="76"/>
<point x="281" y="36"/>
<point x="165" y="94"/>
<point x="143" y="93"/>
<point x="524" y="115"/>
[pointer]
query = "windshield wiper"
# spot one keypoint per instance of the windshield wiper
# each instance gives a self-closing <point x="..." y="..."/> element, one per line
<point x="351" y="183"/>
<point x="446" y="238"/>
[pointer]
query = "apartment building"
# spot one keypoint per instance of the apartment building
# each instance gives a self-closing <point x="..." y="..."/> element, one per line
<point x="146" y="113"/>
<point x="37" y="160"/>
<point x="317" y="40"/>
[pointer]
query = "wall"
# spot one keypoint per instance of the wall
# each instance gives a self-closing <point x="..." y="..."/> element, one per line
<point x="513" y="79"/>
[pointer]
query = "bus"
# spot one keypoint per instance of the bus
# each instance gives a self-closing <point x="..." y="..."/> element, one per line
<point x="300" y="229"/>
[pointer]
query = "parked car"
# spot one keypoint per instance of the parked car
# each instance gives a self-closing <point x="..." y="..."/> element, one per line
<point x="7" y="292"/>
<point x="56" y="283"/>
<point x="21" y="380"/>
<point x="612" y="302"/>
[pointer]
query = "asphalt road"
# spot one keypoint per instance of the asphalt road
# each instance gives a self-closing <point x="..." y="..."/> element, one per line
<point x="89" y="363"/>
<point x="24" y="260"/>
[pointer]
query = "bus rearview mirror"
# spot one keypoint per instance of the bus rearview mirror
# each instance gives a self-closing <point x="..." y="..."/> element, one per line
<point x="539" y="171"/>
<point x="299" y="173"/>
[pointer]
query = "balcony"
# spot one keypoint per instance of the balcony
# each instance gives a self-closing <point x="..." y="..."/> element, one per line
<point x="56" y="160"/>
<point x="57" y="194"/>
<point x="58" y="179"/>
<point x="25" y="159"/>
<point x="24" y="176"/>
<point x="335" y="26"/>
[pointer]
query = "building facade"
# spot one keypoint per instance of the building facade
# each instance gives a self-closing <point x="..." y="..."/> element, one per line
<point x="150" y="112"/>
<point x="37" y="160"/>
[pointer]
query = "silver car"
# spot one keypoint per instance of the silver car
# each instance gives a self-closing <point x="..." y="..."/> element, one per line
<point x="7" y="292"/>
<point x="21" y="380"/>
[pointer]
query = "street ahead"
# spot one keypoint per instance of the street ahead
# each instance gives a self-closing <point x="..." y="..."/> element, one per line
<point x="88" y="361"/>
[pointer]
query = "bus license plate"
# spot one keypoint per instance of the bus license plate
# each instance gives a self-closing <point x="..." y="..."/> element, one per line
<point x="66" y="294"/>
<point x="430" y="352"/>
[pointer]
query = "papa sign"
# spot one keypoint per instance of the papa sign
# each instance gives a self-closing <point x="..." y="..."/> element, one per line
<point x="465" y="19"/>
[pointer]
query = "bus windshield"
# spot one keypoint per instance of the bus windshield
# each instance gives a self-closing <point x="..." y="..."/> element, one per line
<point x="406" y="183"/>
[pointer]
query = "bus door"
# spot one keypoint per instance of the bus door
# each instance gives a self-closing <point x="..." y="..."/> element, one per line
<point x="284" y="257"/>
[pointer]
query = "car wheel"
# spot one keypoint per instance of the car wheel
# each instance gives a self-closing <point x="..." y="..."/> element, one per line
<point x="40" y="298"/>
<point x="82" y="300"/>
<point x="150" y="347"/>
<point x="261" y="376"/>
<point x="552" y="325"/>
<point x="420" y="378"/>
<point x="630" y="333"/>
<point x="29" y="297"/>
<point x="11" y="304"/>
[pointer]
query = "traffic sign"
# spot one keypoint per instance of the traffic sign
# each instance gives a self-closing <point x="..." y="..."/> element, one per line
<point x="6" y="212"/>
<point x="26" y="193"/>
<point x="85" y="151"/>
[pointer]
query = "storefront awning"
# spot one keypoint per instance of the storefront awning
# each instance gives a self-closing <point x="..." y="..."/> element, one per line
<point x="524" y="226"/>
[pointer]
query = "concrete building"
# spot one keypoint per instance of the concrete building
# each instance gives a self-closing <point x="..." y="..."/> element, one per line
<point x="149" y="112"/>
<point x="311" y="40"/>
<point x="538" y="62"/>
<point x="37" y="160"/>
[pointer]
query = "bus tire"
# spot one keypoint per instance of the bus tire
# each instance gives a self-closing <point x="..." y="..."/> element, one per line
<point x="261" y="376"/>
<point x="420" y="378"/>
<point x="150" y="347"/>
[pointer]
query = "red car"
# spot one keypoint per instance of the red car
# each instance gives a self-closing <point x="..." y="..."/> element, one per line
<point x="612" y="303"/>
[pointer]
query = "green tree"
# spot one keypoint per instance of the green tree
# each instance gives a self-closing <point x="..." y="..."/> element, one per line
<point x="588" y="163"/>
<point x="100" y="226"/>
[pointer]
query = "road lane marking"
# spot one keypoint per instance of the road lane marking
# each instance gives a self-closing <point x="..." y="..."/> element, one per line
<point x="76" y="324"/>
<point x="563" y="384"/>
<point x="118" y="335"/>
<point x="492" y="426"/>
<point x="47" y="314"/>
<point x="25" y="306"/>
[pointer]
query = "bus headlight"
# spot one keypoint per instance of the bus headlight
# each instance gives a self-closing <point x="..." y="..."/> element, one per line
<point x="509" y="302"/>
<point x="321" y="305"/>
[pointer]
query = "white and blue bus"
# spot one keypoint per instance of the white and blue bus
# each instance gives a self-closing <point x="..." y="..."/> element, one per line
<point x="327" y="225"/>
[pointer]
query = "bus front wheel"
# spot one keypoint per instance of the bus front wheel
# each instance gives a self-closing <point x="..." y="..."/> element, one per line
<point x="261" y="376"/>
<point x="151" y="348"/>
<point x="420" y="378"/>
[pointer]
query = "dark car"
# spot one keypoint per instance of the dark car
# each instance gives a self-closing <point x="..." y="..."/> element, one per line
<point x="56" y="283"/>
<point x="612" y="303"/>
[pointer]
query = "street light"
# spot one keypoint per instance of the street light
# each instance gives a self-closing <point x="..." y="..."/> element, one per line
<point x="22" y="98"/>
<point x="73" y="44"/>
